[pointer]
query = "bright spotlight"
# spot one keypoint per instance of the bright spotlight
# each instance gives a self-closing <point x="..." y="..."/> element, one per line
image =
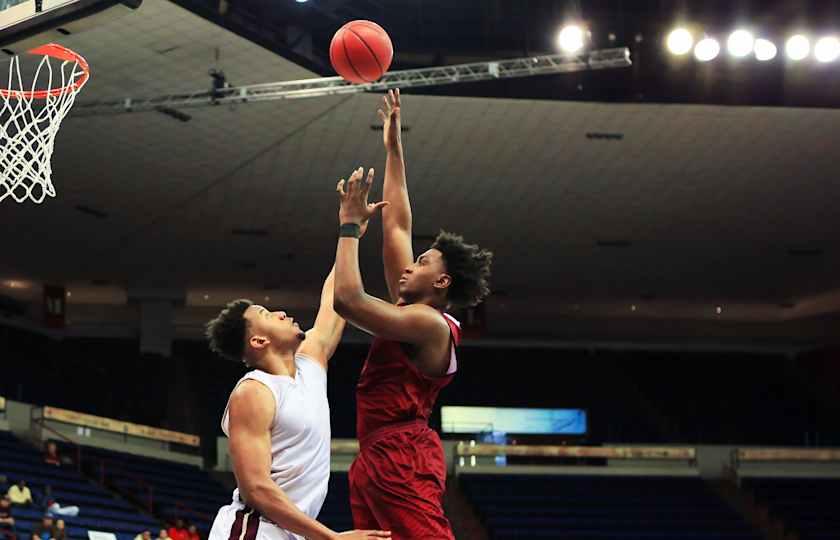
<point x="827" y="49"/>
<point x="570" y="39"/>
<point x="707" y="49"/>
<point x="680" y="41"/>
<point x="765" y="50"/>
<point x="798" y="47"/>
<point x="740" y="43"/>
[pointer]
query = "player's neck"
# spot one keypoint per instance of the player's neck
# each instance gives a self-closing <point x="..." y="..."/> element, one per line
<point x="279" y="363"/>
<point x="437" y="303"/>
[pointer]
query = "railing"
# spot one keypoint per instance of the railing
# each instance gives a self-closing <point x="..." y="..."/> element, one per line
<point x="803" y="455"/>
<point x="104" y="465"/>
<point x="604" y="452"/>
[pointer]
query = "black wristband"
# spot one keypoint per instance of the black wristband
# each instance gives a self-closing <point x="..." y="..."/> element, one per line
<point x="349" y="230"/>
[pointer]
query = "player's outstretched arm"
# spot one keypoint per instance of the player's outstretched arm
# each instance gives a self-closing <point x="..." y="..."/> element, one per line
<point x="324" y="336"/>
<point x="250" y="414"/>
<point x="397" y="251"/>
<point x="418" y="324"/>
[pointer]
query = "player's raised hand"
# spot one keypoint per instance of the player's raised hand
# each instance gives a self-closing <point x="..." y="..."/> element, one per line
<point x="353" y="195"/>
<point x="390" y="116"/>
<point x="364" y="535"/>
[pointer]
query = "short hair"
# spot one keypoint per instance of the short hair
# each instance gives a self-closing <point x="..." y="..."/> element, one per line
<point x="226" y="332"/>
<point x="469" y="267"/>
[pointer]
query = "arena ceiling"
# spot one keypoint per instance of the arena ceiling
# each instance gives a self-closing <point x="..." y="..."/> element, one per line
<point x="687" y="207"/>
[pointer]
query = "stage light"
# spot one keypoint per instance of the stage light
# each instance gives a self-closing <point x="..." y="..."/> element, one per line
<point x="765" y="50"/>
<point x="706" y="49"/>
<point x="827" y="49"/>
<point x="740" y="43"/>
<point x="570" y="39"/>
<point x="680" y="41"/>
<point x="798" y="47"/>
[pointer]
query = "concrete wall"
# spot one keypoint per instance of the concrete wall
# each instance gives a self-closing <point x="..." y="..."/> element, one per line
<point x="19" y="419"/>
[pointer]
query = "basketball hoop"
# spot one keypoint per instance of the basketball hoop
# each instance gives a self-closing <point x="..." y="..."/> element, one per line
<point x="30" y="116"/>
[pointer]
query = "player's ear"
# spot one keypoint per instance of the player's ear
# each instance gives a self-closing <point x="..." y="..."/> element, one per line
<point x="443" y="281"/>
<point x="259" y="342"/>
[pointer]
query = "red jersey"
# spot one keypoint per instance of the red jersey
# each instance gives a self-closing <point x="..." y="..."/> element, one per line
<point x="393" y="390"/>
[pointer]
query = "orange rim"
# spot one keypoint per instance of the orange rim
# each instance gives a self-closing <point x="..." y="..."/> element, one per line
<point x="54" y="50"/>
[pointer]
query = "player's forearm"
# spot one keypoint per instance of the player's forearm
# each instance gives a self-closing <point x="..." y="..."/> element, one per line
<point x="331" y="322"/>
<point x="270" y="501"/>
<point x="349" y="288"/>
<point x="395" y="190"/>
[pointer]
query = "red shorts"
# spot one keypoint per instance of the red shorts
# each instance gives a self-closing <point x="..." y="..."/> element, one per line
<point x="397" y="483"/>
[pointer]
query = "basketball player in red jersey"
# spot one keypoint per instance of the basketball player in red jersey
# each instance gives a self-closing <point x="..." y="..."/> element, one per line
<point x="398" y="480"/>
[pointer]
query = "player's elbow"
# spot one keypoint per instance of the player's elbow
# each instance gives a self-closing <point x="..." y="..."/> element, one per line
<point x="255" y="493"/>
<point x="345" y="300"/>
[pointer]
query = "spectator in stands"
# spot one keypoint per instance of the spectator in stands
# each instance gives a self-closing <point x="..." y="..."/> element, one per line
<point x="60" y="530"/>
<point x="178" y="531"/>
<point x="55" y="510"/>
<point x="7" y="522"/>
<point x="192" y="533"/>
<point x="20" y="494"/>
<point x="51" y="456"/>
<point x="163" y="535"/>
<point x="46" y="530"/>
<point x="145" y="535"/>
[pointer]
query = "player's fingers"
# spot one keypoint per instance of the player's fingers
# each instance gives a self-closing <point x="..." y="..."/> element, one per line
<point x="386" y="104"/>
<point x="340" y="187"/>
<point x="381" y="114"/>
<point x="375" y="207"/>
<point x="378" y="534"/>
<point x="397" y="97"/>
<point x="391" y="98"/>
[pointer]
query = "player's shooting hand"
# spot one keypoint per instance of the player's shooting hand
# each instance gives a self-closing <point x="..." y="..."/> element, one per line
<point x="353" y="195"/>
<point x="391" y="124"/>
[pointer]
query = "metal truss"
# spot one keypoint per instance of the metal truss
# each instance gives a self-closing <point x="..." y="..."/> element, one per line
<point x="332" y="86"/>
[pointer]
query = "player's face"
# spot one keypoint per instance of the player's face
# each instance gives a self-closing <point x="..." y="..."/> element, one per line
<point x="419" y="279"/>
<point x="280" y="328"/>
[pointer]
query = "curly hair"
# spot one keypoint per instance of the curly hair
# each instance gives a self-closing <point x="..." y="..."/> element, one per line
<point x="226" y="332"/>
<point x="469" y="267"/>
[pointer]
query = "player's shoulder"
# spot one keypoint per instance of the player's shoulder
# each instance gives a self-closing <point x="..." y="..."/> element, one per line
<point x="250" y="389"/>
<point x="432" y="319"/>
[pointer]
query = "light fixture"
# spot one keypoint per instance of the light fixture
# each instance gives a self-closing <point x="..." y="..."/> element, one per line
<point x="707" y="49"/>
<point x="680" y="41"/>
<point x="740" y="43"/>
<point x="827" y="49"/>
<point x="570" y="40"/>
<point x="798" y="47"/>
<point x="267" y="298"/>
<point x="633" y="307"/>
<point x="207" y="297"/>
<point x="718" y="310"/>
<point x="765" y="50"/>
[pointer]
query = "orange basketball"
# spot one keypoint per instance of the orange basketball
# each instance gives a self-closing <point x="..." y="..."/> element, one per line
<point x="361" y="52"/>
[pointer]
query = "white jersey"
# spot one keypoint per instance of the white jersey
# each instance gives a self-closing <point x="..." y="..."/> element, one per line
<point x="300" y="449"/>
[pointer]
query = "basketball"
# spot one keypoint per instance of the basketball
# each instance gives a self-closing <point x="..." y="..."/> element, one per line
<point x="361" y="52"/>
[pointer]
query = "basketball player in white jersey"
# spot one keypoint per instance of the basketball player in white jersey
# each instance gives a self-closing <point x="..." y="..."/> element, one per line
<point x="278" y="422"/>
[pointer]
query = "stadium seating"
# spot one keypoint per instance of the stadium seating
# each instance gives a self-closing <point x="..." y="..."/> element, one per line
<point x="602" y="507"/>
<point x="177" y="490"/>
<point x="100" y="510"/>
<point x="807" y="506"/>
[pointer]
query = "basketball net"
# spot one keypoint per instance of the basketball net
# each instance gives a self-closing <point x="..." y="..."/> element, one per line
<point x="30" y="116"/>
